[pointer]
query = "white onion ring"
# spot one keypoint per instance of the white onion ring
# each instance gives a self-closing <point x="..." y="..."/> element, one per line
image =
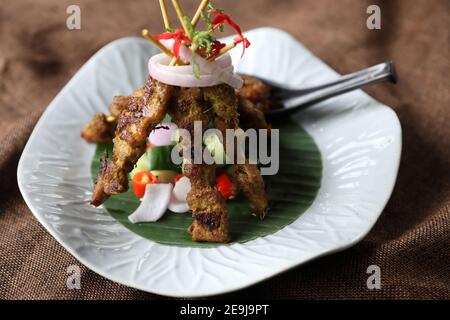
<point x="170" y="75"/>
<point x="181" y="76"/>
<point x="212" y="68"/>
<point x="211" y="72"/>
<point x="224" y="62"/>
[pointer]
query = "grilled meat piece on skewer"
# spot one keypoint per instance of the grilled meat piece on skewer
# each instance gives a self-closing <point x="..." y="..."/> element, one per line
<point x="252" y="101"/>
<point x="208" y="207"/>
<point x="224" y="103"/>
<point x="212" y="105"/>
<point x="250" y="116"/>
<point x="120" y="103"/>
<point x="250" y="181"/>
<point x="101" y="128"/>
<point x="257" y="92"/>
<point x="134" y="124"/>
<point x="98" y="130"/>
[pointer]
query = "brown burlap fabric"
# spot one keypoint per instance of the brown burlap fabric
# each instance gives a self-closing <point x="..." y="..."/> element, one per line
<point x="410" y="242"/>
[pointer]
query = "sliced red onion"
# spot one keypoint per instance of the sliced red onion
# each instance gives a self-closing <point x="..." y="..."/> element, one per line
<point x="178" y="202"/>
<point x="177" y="206"/>
<point x="182" y="188"/>
<point x="162" y="135"/>
<point x="154" y="203"/>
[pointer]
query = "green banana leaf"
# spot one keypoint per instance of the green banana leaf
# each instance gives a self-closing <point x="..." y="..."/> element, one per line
<point x="290" y="192"/>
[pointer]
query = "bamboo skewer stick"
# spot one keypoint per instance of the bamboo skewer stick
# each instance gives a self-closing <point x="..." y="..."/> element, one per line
<point x="155" y="41"/>
<point x="162" y="4"/>
<point x="173" y="62"/>
<point x="199" y="11"/>
<point x="225" y="49"/>
<point x="146" y="34"/>
<point x="180" y="15"/>
<point x="195" y="19"/>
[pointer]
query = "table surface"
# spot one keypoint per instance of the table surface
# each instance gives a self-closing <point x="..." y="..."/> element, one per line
<point x="409" y="243"/>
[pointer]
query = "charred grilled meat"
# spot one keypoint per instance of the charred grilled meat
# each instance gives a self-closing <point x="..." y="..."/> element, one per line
<point x="250" y="182"/>
<point x="218" y="106"/>
<point x="101" y="128"/>
<point x="134" y="124"/>
<point x="257" y="92"/>
<point x="98" y="130"/>
<point x="253" y="100"/>
<point x="250" y="116"/>
<point x="224" y="104"/>
<point x="209" y="210"/>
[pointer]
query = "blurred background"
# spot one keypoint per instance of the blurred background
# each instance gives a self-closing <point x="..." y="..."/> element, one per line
<point x="38" y="55"/>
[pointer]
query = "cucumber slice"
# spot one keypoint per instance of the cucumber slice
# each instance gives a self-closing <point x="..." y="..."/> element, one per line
<point x="159" y="158"/>
<point x="141" y="165"/>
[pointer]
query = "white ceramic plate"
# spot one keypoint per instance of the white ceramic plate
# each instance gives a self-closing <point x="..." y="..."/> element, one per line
<point x="359" y="138"/>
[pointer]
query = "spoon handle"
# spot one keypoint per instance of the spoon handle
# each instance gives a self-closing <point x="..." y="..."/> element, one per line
<point x="303" y="98"/>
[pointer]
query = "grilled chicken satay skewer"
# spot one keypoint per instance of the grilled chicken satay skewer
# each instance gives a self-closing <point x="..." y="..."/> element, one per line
<point x="133" y="127"/>
<point x="101" y="128"/>
<point x="224" y="103"/>
<point x="208" y="207"/>
<point x="185" y="105"/>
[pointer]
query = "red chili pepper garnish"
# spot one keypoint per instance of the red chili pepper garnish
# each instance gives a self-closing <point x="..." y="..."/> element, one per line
<point x="140" y="181"/>
<point x="215" y="50"/>
<point x="178" y="36"/>
<point x="221" y="18"/>
<point x="225" y="186"/>
<point x="217" y="46"/>
<point x="240" y="38"/>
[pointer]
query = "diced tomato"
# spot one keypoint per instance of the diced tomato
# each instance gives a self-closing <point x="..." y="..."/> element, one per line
<point x="176" y="178"/>
<point x="225" y="186"/>
<point x="149" y="145"/>
<point x="140" y="181"/>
